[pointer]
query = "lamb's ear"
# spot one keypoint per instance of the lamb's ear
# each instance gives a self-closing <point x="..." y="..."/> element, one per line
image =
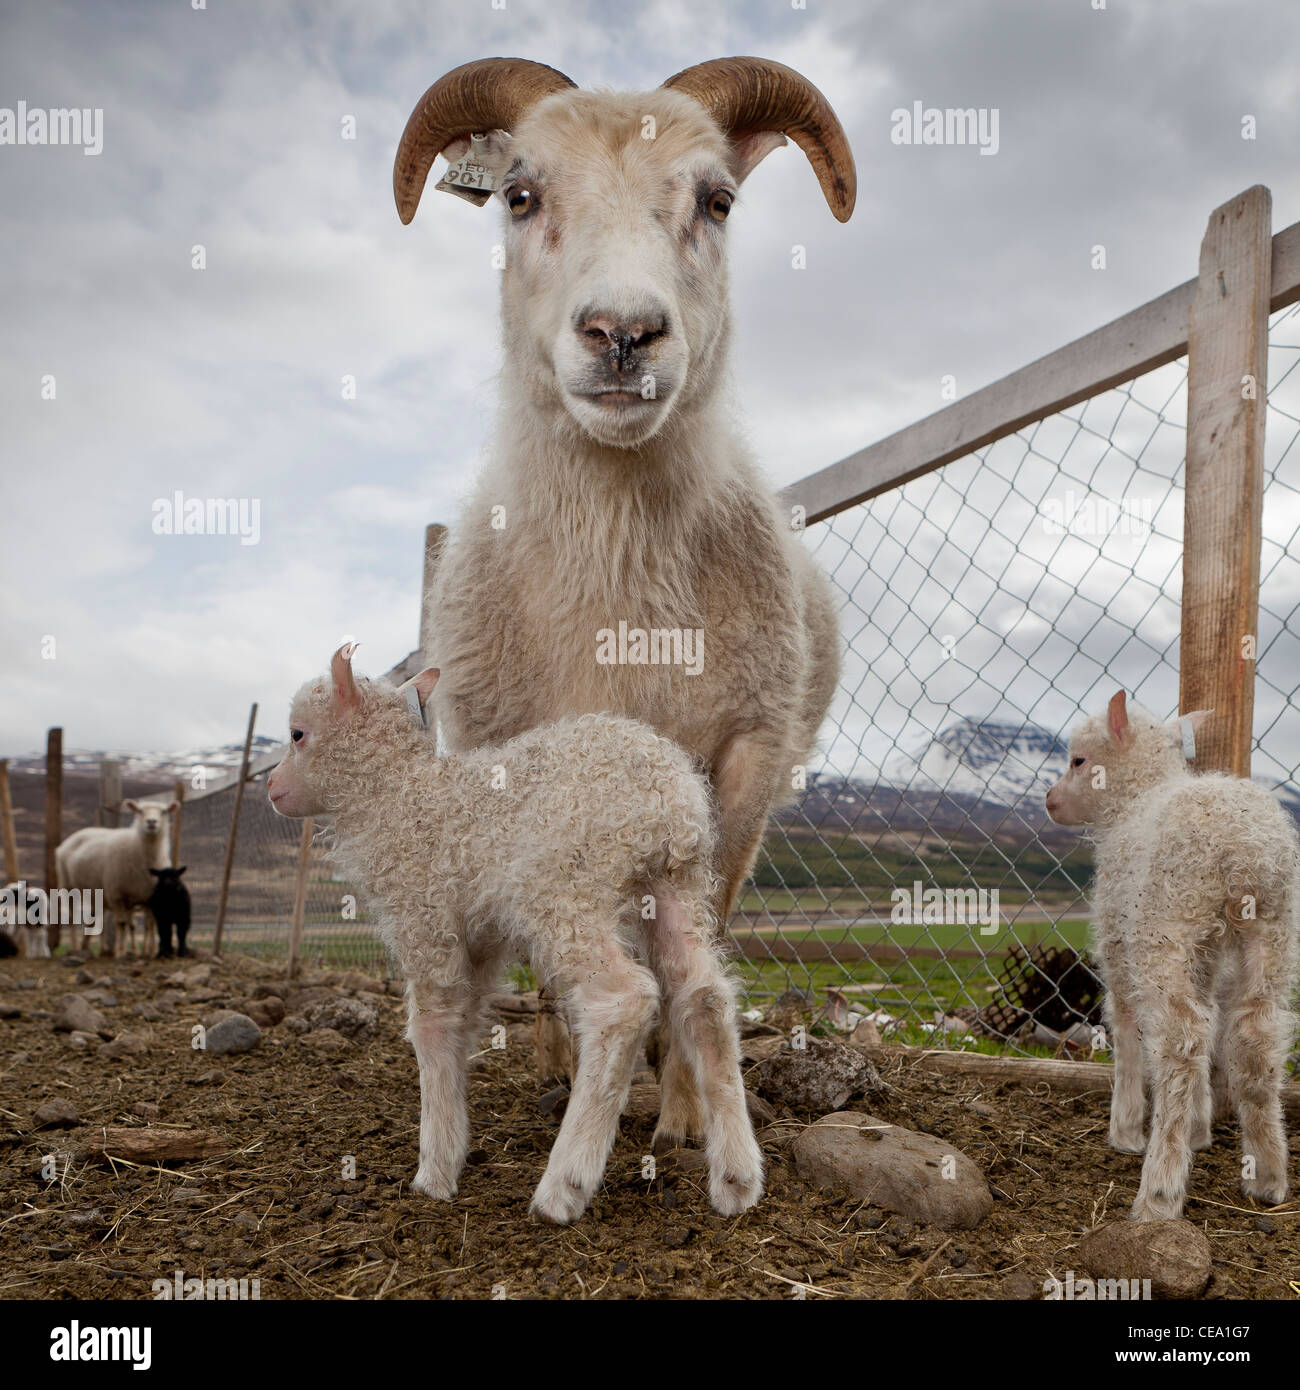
<point x="180" y="871"/>
<point x="1117" y="717"/>
<point x="131" y="806"/>
<point x="347" y="698"/>
<point x="425" y="682"/>
<point x="175" y="806"/>
<point x="157" y="873"/>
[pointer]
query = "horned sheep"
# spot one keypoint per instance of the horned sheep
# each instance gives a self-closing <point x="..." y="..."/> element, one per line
<point x="619" y="495"/>
<point x="1196" y="912"/>
<point x="579" y="846"/>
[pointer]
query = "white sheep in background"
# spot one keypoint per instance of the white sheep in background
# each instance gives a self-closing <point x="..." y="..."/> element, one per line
<point x="1197" y="902"/>
<point x="619" y="490"/>
<point x="32" y="936"/>
<point x="552" y="847"/>
<point x="118" y="863"/>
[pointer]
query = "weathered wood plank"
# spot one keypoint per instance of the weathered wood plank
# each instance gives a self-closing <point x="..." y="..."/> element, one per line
<point x="53" y="815"/>
<point x="1227" y="389"/>
<point x="1137" y="342"/>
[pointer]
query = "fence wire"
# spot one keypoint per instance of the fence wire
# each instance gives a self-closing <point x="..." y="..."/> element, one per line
<point x="984" y="609"/>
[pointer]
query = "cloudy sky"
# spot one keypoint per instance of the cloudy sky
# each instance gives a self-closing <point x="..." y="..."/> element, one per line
<point x="224" y="128"/>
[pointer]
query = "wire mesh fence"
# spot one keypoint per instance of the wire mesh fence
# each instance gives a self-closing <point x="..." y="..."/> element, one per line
<point x="984" y="608"/>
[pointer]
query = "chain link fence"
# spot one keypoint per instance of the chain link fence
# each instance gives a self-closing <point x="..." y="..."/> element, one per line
<point x="984" y="608"/>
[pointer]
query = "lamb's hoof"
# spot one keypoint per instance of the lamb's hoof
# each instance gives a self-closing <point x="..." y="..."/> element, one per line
<point x="1161" y="1208"/>
<point x="665" y="1141"/>
<point x="1270" y="1191"/>
<point x="438" y="1188"/>
<point x="732" y="1193"/>
<point x="558" y="1201"/>
<point x="184" y="951"/>
<point x="1128" y="1143"/>
<point x="1203" y="1142"/>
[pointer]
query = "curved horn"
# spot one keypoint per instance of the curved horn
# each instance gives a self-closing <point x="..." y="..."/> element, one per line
<point x="490" y="94"/>
<point x="745" y="95"/>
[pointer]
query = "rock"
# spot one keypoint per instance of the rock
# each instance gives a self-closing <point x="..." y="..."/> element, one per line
<point x="979" y="1107"/>
<point x="10" y="1011"/>
<point x="236" y="1033"/>
<point x="359" y="980"/>
<point x="758" y="1049"/>
<point x="760" y="1112"/>
<point x="146" y="1109"/>
<point x="56" y="1114"/>
<point x="266" y="1013"/>
<point x="298" y="1001"/>
<point x="77" y="1015"/>
<point x="271" y="989"/>
<point x="29" y="984"/>
<point x="125" y="1045"/>
<point x="83" y="977"/>
<point x="148" y="1011"/>
<point x="83" y="1220"/>
<point x="195" y="977"/>
<point x="866" y="1034"/>
<point x="822" y="1076"/>
<point x="1174" y="1255"/>
<point x="295" y="1023"/>
<point x="19" y="1059"/>
<point x="554" y="1101"/>
<point x="351" y="1017"/>
<point x="915" y="1174"/>
<point x="79" y="1039"/>
<point x="324" y="1040"/>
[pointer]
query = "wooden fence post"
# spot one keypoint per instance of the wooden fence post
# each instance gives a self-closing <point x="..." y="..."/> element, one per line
<point x="178" y="796"/>
<point x="435" y="539"/>
<point x="300" y="899"/>
<point x="53" y="815"/>
<point x="110" y="793"/>
<point x="233" y="836"/>
<point x="1227" y="398"/>
<point x="7" y="825"/>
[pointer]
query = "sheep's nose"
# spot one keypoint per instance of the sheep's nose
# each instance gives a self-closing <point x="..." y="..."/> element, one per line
<point x="620" y="337"/>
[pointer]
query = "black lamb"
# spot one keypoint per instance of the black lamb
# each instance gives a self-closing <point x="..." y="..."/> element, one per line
<point x="170" y="904"/>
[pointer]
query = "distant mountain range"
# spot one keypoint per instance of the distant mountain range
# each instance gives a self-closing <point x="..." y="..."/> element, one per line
<point x="992" y="776"/>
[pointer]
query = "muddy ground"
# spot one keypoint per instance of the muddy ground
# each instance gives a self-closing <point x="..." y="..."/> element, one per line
<point x="276" y="1207"/>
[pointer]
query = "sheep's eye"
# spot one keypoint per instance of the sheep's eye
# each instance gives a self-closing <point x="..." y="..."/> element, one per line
<point x="719" y="202"/>
<point x="520" y="201"/>
<point x="1077" y="762"/>
<point x="297" y="735"/>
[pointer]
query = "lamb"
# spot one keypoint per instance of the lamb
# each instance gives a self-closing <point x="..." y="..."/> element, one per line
<point x="118" y="862"/>
<point x="169" y="903"/>
<point x="26" y="910"/>
<point x="575" y="845"/>
<point x="1197" y="908"/>
<point x="619" y="496"/>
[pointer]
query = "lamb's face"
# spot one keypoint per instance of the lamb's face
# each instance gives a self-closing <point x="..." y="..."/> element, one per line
<point x="150" y="816"/>
<point x="296" y="787"/>
<point x="615" y="289"/>
<point x="1076" y="799"/>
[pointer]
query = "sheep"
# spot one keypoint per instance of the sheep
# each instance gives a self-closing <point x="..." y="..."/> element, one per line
<point x="169" y="903"/>
<point x="618" y="496"/>
<point x="1197" y="906"/>
<point x="577" y="845"/>
<point x="118" y="862"/>
<point x="26" y="910"/>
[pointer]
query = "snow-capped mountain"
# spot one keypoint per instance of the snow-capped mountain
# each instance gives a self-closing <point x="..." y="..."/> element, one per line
<point x="1006" y="763"/>
<point x="161" y="766"/>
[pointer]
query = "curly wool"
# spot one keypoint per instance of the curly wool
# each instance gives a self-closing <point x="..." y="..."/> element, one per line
<point x="537" y="845"/>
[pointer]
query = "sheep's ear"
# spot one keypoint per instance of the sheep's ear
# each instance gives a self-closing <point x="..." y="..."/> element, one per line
<point x="131" y="806"/>
<point x="347" y="698"/>
<point x="180" y="871"/>
<point x="752" y="149"/>
<point x="425" y="682"/>
<point x="157" y="873"/>
<point x="174" y="806"/>
<point x="1117" y="717"/>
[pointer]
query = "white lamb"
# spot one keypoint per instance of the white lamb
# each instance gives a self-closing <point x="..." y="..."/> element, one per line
<point x="118" y="862"/>
<point x="1196" y="902"/>
<point x="578" y="846"/>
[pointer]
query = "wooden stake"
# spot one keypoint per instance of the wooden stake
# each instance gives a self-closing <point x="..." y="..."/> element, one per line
<point x="1227" y="397"/>
<point x="435" y="539"/>
<point x="7" y="825"/>
<point x="233" y="836"/>
<point x="178" y="795"/>
<point x="53" y="815"/>
<point x="110" y="793"/>
<point x="300" y="899"/>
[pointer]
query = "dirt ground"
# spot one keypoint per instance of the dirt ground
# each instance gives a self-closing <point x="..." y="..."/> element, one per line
<point x="276" y="1207"/>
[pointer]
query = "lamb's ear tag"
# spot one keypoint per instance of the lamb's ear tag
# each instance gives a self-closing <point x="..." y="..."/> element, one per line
<point x="413" y="704"/>
<point x="474" y="175"/>
<point x="1189" y="739"/>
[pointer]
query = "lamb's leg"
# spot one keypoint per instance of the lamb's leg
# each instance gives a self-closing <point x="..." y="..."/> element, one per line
<point x="440" y="1022"/>
<point x="1127" y="1102"/>
<point x="609" y="1006"/>
<point x="744" y="777"/>
<point x="701" y="1013"/>
<point x="1260" y="1028"/>
<point x="1177" y="1017"/>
